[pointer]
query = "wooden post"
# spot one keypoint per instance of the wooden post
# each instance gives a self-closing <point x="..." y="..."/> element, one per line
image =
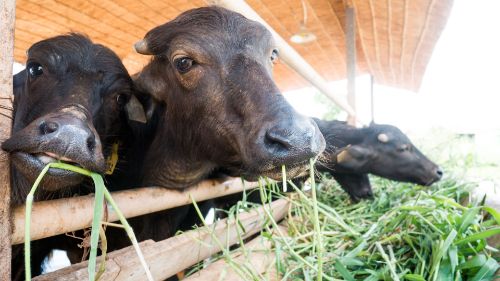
<point x="350" y="46"/>
<point x="372" y="100"/>
<point x="7" y="17"/>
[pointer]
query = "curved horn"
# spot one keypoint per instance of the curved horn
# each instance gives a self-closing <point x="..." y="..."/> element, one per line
<point x="383" y="138"/>
<point x="142" y="47"/>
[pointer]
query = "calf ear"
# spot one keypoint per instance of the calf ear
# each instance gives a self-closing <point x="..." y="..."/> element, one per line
<point x="354" y="157"/>
<point x="135" y="110"/>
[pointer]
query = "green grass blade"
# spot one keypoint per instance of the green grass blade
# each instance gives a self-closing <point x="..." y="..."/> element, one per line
<point x="476" y="261"/>
<point x="414" y="277"/>
<point x="479" y="236"/>
<point x="343" y="271"/>
<point x="494" y="213"/>
<point x="487" y="271"/>
<point x="27" y="223"/>
<point x="317" y="229"/>
<point x="96" y="223"/>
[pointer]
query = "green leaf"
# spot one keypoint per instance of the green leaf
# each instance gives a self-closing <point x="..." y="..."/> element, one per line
<point x="445" y="273"/>
<point x="487" y="271"/>
<point x="357" y="250"/>
<point x="479" y="236"/>
<point x="453" y="255"/>
<point x="96" y="223"/>
<point x="476" y="261"/>
<point x="494" y="213"/>
<point x="347" y="261"/>
<point x="343" y="271"/>
<point x="414" y="277"/>
<point x="467" y="219"/>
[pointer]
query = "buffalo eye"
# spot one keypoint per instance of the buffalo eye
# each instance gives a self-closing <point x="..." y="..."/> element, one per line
<point x="274" y="56"/>
<point x="403" y="148"/>
<point x="183" y="64"/>
<point x="122" y="99"/>
<point x="35" y="69"/>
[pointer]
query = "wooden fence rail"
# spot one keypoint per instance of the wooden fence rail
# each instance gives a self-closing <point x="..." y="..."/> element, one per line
<point x="59" y="216"/>
<point x="166" y="258"/>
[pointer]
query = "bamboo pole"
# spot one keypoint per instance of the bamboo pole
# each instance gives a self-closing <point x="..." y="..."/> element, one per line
<point x="256" y="255"/>
<point x="166" y="258"/>
<point x="59" y="216"/>
<point x="288" y="54"/>
<point x="7" y="18"/>
<point x="350" y="43"/>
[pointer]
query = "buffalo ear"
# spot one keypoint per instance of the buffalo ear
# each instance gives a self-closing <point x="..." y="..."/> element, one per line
<point x="135" y="110"/>
<point x="18" y="81"/>
<point x="354" y="157"/>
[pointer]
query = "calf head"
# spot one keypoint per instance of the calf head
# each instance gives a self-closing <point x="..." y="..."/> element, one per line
<point x="70" y="103"/>
<point x="385" y="151"/>
<point x="211" y="81"/>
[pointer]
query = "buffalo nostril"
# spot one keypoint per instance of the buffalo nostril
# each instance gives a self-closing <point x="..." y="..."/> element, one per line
<point x="91" y="143"/>
<point x="439" y="172"/>
<point x="279" y="137"/>
<point x="48" y="127"/>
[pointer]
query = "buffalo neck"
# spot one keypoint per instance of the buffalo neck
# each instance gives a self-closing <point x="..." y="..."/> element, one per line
<point x="176" y="157"/>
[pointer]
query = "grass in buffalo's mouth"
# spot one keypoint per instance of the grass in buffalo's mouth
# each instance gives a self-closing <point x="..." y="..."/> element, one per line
<point x="408" y="232"/>
<point x="101" y="193"/>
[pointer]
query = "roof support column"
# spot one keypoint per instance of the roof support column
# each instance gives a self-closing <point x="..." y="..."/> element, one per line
<point x="7" y="18"/>
<point x="350" y="43"/>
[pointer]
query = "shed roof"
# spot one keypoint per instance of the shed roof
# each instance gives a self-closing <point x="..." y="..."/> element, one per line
<point x="395" y="38"/>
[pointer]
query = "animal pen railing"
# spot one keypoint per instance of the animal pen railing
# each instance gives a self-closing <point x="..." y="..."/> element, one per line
<point x="60" y="216"/>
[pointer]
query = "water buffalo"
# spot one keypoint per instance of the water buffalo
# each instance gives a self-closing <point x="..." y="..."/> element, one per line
<point x="71" y="103"/>
<point x="216" y="104"/>
<point x="213" y="108"/>
<point x="382" y="150"/>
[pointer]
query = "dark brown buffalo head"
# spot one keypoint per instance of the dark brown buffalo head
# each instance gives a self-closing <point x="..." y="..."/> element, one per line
<point x="211" y="80"/>
<point x="385" y="151"/>
<point x="70" y="104"/>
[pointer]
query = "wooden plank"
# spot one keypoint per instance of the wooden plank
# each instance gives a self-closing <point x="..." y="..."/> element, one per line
<point x="167" y="257"/>
<point x="59" y="216"/>
<point x="7" y="19"/>
<point x="256" y="254"/>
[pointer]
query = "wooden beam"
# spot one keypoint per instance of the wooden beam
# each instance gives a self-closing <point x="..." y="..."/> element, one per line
<point x="256" y="255"/>
<point x="288" y="54"/>
<point x="166" y="258"/>
<point x="350" y="38"/>
<point x="59" y="216"/>
<point x="7" y="18"/>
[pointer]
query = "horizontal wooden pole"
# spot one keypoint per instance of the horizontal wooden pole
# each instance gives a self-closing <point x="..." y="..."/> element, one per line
<point x="288" y="54"/>
<point x="59" y="216"/>
<point x="166" y="258"/>
<point x="256" y="255"/>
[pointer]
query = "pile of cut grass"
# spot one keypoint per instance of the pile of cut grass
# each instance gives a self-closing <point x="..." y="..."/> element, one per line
<point x="407" y="232"/>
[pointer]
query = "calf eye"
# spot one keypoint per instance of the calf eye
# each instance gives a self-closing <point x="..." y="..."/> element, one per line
<point x="183" y="64"/>
<point x="35" y="69"/>
<point x="403" y="148"/>
<point x="274" y="56"/>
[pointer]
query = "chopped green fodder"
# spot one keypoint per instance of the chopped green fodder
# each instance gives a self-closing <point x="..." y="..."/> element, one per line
<point x="407" y="232"/>
<point x="101" y="192"/>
